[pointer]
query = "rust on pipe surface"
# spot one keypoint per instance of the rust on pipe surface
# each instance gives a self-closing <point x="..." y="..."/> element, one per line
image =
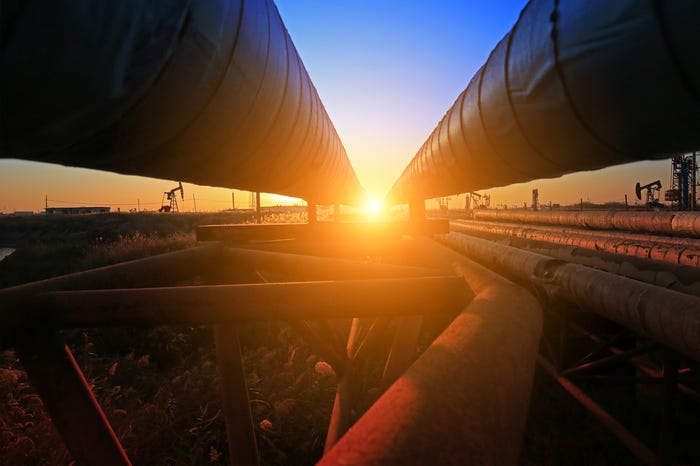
<point x="676" y="251"/>
<point x="209" y="93"/>
<point x="666" y="316"/>
<point x="545" y="103"/>
<point x="242" y="302"/>
<point x="455" y="404"/>
<point x="660" y="223"/>
<point x="684" y="279"/>
<point x="69" y="401"/>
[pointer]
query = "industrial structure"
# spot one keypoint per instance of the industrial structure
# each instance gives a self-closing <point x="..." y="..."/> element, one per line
<point x="652" y="193"/>
<point x="575" y="85"/>
<point x="683" y="193"/>
<point x="77" y="210"/>
<point x="171" y="198"/>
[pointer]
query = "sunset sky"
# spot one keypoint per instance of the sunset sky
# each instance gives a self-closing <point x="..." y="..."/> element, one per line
<point x="386" y="72"/>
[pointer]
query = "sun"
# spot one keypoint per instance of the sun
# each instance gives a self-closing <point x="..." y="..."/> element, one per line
<point x="373" y="207"/>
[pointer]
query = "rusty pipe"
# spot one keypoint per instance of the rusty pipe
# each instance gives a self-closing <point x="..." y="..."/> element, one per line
<point x="465" y="400"/>
<point x="669" y="317"/>
<point x="685" y="224"/>
<point x="677" y="251"/>
<point x="574" y="85"/>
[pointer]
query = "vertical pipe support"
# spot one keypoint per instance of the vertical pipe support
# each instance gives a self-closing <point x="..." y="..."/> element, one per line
<point x="258" y="208"/>
<point x="403" y="349"/>
<point x="311" y="210"/>
<point x="336" y="212"/>
<point x="240" y="432"/>
<point x="416" y="210"/>
<point x="346" y="394"/>
<point x="69" y="401"/>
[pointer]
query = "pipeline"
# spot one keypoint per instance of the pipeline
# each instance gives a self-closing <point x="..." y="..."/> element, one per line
<point x="212" y="93"/>
<point x="676" y="252"/>
<point x="465" y="400"/>
<point x="575" y="85"/>
<point x="669" y="317"/>
<point x="682" y="279"/>
<point x="661" y="223"/>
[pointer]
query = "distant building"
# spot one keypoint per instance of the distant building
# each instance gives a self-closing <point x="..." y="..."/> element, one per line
<point x="23" y="213"/>
<point x="76" y="210"/>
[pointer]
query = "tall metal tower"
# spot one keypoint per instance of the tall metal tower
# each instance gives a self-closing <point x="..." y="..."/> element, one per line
<point x="684" y="182"/>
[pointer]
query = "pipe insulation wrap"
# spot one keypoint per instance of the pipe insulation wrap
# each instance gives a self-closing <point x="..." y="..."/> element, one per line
<point x="575" y="85"/>
<point x="209" y="92"/>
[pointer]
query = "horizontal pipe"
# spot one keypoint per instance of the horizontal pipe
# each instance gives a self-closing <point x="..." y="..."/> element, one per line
<point x="322" y="231"/>
<point x="221" y="261"/>
<point x="676" y="252"/>
<point x="212" y="93"/>
<point x="465" y="400"/>
<point x="669" y="317"/>
<point x="574" y="85"/>
<point x="236" y="303"/>
<point x="160" y="270"/>
<point x="212" y="264"/>
<point x="277" y="266"/>
<point x="683" y="279"/>
<point x="686" y="224"/>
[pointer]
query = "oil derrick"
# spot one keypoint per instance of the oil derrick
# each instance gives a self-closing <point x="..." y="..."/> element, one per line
<point x="683" y="192"/>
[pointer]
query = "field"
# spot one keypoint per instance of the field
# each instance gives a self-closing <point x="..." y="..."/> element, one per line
<point x="159" y="387"/>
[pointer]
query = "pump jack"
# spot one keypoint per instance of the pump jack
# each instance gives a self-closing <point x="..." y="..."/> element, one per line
<point x="652" y="196"/>
<point x="171" y="197"/>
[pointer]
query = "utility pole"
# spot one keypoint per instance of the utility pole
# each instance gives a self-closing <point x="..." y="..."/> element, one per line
<point x="233" y="200"/>
<point x="138" y="205"/>
<point x="258" y="208"/>
<point x="194" y="201"/>
<point x="46" y="204"/>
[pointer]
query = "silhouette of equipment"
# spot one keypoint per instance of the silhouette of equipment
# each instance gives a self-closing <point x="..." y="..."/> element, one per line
<point x="652" y="192"/>
<point x="171" y="197"/>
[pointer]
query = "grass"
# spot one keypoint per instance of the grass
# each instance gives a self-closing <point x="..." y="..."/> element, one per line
<point x="158" y="386"/>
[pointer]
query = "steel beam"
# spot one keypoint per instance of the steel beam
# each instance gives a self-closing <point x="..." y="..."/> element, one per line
<point x="322" y="231"/>
<point x="69" y="401"/>
<point x="237" y="303"/>
<point x="628" y="439"/>
<point x="240" y="432"/>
